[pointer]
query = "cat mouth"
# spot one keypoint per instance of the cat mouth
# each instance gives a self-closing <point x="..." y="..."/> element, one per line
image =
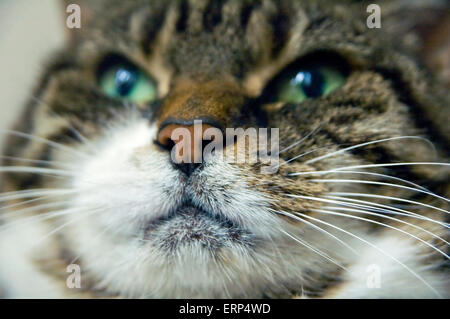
<point x="190" y="225"/>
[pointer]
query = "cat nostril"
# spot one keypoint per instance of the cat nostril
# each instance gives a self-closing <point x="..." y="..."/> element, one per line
<point x="186" y="144"/>
<point x="168" y="144"/>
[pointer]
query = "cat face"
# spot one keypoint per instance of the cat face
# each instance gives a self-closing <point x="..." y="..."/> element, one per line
<point x="341" y="95"/>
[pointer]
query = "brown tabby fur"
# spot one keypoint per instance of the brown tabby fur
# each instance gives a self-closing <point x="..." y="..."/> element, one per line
<point x="214" y="59"/>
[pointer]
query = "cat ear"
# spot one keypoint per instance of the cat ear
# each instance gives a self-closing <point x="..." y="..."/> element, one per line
<point x="424" y="26"/>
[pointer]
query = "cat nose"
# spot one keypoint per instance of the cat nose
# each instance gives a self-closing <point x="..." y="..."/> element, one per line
<point x="186" y="143"/>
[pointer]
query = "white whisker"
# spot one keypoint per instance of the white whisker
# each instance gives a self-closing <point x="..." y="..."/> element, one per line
<point x="32" y="161"/>
<point x="36" y="170"/>
<point x="35" y="193"/>
<point x="59" y="228"/>
<point x="383" y="224"/>
<point x="377" y="183"/>
<point x="56" y="145"/>
<point x="387" y="209"/>
<point x="77" y="133"/>
<point x="317" y="251"/>
<point x="314" y="131"/>
<point x="317" y="228"/>
<point x="304" y="154"/>
<point x="21" y="203"/>
<point x="377" y="248"/>
<point x="365" y="144"/>
<point x="389" y="198"/>
<point x="364" y="173"/>
<point x="382" y="165"/>
<point x="33" y="209"/>
<point x="40" y="217"/>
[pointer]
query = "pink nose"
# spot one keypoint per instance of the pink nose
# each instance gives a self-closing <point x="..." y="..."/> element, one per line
<point x="173" y="135"/>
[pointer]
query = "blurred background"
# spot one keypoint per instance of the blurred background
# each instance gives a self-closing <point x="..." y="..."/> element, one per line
<point x="29" y="31"/>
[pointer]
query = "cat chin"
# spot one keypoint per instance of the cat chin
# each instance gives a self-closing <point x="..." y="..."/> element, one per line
<point x="189" y="225"/>
<point x="142" y="270"/>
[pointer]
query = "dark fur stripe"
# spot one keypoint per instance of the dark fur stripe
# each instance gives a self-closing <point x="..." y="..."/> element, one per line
<point x="246" y="13"/>
<point x="281" y="26"/>
<point x="152" y="25"/>
<point x="213" y="14"/>
<point x="182" y="16"/>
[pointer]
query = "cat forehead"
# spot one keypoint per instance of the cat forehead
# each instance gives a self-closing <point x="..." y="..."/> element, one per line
<point x="208" y="36"/>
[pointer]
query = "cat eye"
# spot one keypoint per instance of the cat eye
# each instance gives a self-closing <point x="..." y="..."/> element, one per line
<point x="310" y="79"/>
<point x="309" y="83"/>
<point x="118" y="78"/>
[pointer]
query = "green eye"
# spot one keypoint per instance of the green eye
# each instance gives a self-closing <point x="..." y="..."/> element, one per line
<point x="123" y="80"/>
<point x="311" y="82"/>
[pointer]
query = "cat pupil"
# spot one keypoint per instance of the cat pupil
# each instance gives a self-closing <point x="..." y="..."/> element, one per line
<point x="311" y="82"/>
<point x="124" y="81"/>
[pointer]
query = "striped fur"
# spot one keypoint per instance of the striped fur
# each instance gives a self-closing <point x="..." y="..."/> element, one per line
<point x="202" y="48"/>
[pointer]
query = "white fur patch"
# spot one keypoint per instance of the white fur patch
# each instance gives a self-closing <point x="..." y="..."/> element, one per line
<point x="393" y="270"/>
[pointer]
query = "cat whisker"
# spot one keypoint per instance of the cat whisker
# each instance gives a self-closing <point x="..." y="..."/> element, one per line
<point x="35" y="193"/>
<point x="53" y="144"/>
<point x="76" y="132"/>
<point x="61" y="227"/>
<point x="315" y="227"/>
<point x="36" y="170"/>
<point x="319" y="158"/>
<point x="32" y="161"/>
<point x="304" y="154"/>
<point x="40" y="217"/>
<point x="317" y="251"/>
<point x="376" y="248"/>
<point x="377" y="183"/>
<point x="326" y="211"/>
<point x="43" y="171"/>
<point x="314" y="131"/>
<point x="390" y="210"/>
<point x="34" y="208"/>
<point x="375" y="214"/>
<point x="380" y="165"/>
<point x="391" y="198"/>
<point x="366" y="173"/>
<point x="384" y="211"/>
<point x="21" y="203"/>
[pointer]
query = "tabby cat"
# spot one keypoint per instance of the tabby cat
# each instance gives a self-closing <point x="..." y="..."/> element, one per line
<point x="355" y="208"/>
